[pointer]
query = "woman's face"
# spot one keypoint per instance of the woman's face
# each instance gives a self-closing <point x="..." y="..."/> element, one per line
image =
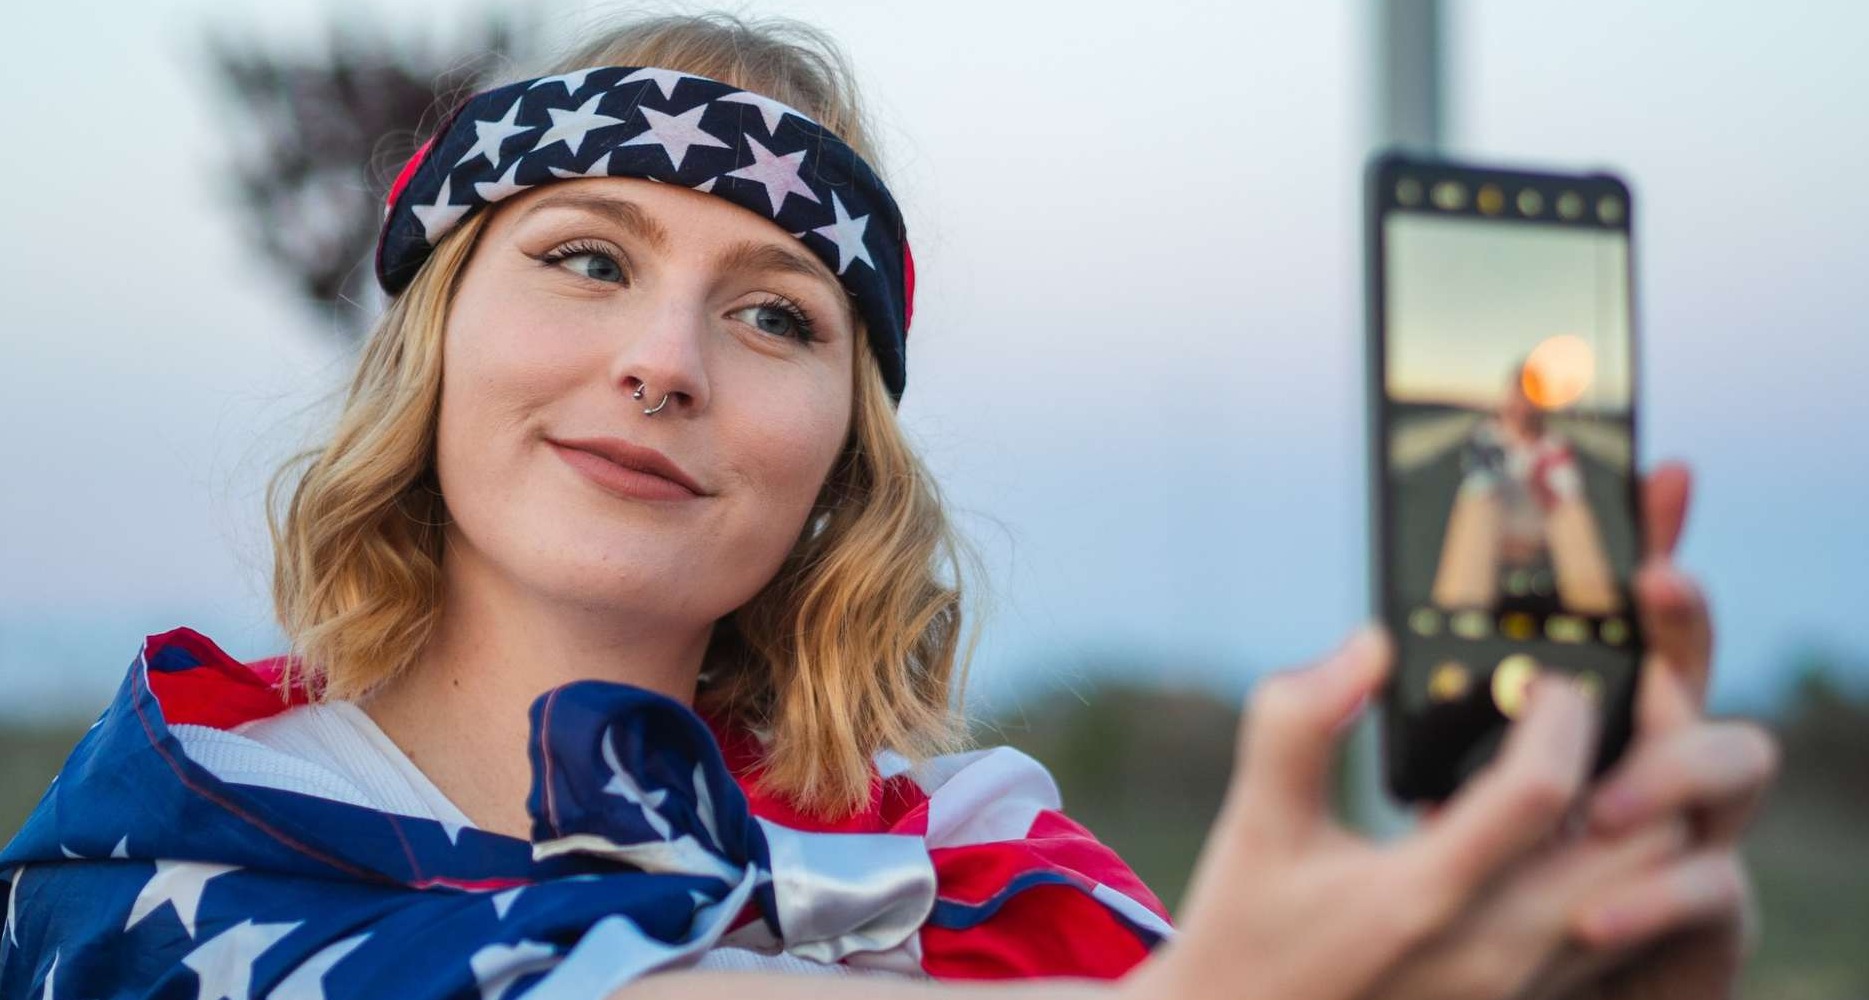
<point x="1516" y="408"/>
<point x="576" y="295"/>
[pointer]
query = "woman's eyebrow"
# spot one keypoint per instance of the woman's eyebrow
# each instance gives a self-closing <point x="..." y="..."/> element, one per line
<point x="626" y="214"/>
<point x="754" y="255"/>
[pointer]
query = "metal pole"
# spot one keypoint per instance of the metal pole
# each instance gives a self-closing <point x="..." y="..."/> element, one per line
<point x="1408" y="100"/>
<point x="1410" y="74"/>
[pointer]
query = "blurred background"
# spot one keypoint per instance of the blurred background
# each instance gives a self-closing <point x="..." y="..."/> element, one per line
<point x="1136" y="359"/>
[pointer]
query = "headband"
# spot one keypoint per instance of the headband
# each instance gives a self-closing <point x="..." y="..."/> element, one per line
<point x="674" y="127"/>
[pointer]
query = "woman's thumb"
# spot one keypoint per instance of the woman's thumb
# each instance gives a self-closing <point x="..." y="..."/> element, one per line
<point x="1295" y="719"/>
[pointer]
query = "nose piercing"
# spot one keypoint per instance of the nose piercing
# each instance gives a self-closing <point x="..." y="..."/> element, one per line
<point x="638" y="395"/>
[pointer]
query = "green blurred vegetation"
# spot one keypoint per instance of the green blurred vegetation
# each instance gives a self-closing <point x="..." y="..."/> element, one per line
<point x="1145" y="769"/>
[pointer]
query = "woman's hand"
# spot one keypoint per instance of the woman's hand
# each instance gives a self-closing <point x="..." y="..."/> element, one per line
<point x="1287" y="904"/>
<point x="1713" y="773"/>
<point x="1516" y="939"/>
<point x="1679" y="921"/>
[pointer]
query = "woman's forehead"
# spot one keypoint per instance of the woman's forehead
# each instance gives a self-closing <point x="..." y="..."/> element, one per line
<point x="663" y="214"/>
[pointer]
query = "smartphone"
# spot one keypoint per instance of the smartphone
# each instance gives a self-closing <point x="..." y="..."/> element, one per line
<point x="1503" y="487"/>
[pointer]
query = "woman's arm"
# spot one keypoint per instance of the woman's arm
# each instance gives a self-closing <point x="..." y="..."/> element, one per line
<point x="714" y="985"/>
<point x="1468" y="576"/>
<point x="1585" y="582"/>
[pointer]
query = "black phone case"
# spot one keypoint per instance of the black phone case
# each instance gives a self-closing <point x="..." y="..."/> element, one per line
<point x="1427" y="758"/>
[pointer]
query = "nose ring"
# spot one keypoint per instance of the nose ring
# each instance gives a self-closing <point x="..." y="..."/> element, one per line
<point x="638" y="395"/>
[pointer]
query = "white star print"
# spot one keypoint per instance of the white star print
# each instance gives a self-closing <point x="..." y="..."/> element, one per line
<point x="573" y="81"/>
<point x="706" y="186"/>
<point x="601" y="168"/>
<point x="570" y="127"/>
<point x="489" y="135"/>
<point x="51" y="972"/>
<point x="664" y="78"/>
<point x="11" y="920"/>
<point x="624" y="783"/>
<point x="503" y="901"/>
<point x="440" y="217"/>
<point x="224" y="962"/>
<point x="847" y="233"/>
<point x="122" y="850"/>
<point x="178" y="883"/>
<point x="772" y="111"/>
<point x="704" y="804"/>
<point x="307" y="981"/>
<point x="497" y="965"/>
<point x="495" y="190"/>
<point x="675" y="133"/>
<point x="778" y="174"/>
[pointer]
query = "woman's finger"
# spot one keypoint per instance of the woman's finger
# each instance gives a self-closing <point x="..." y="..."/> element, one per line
<point x="1664" y="507"/>
<point x="1705" y="886"/>
<point x="1519" y="799"/>
<point x="1720" y="769"/>
<point x="1663" y="702"/>
<point x="1676" y="622"/>
<point x="1293" y="724"/>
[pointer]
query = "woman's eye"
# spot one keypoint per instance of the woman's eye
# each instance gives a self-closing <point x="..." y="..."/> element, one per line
<point x="776" y="320"/>
<point x="594" y="265"/>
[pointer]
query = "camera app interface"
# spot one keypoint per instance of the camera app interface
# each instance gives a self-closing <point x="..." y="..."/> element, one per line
<point x="1509" y="441"/>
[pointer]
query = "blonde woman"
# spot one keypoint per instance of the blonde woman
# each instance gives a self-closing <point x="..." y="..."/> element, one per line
<point x="1521" y="522"/>
<point x="627" y="630"/>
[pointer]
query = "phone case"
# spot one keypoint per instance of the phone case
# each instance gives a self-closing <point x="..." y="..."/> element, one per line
<point x="1435" y="734"/>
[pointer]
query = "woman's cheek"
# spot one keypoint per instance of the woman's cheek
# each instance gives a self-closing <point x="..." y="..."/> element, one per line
<point x="792" y="464"/>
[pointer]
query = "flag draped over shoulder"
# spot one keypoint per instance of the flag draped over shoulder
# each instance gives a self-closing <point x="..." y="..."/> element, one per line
<point x="142" y="874"/>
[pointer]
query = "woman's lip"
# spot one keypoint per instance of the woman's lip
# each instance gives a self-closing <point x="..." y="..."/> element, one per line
<point x="616" y="479"/>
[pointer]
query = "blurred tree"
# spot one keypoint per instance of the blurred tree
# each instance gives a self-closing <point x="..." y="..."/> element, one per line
<point x="321" y="135"/>
<point x="1142" y="767"/>
<point x="1825" y="736"/>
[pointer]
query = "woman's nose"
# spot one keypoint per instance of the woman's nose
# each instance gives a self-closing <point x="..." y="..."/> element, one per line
<point x="662" y="365"/>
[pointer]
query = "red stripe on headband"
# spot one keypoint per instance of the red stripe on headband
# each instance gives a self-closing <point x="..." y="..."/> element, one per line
<point x="908" y="287"/>
<point x="408" y="171"/>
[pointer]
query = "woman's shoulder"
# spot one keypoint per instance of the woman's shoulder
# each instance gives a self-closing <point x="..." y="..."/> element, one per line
<point x="986" y="794"/>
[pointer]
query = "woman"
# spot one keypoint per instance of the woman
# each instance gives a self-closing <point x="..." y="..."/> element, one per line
<point x="1520" y="536"/>
<point x="623" y="653"/>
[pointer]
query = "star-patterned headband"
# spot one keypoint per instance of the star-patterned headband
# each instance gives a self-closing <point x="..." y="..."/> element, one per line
<point x="674" y="127"/>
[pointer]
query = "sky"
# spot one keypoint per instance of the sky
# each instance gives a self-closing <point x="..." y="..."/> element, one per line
<point x="1136" y="362"/>
<point x="1470" y="300"/>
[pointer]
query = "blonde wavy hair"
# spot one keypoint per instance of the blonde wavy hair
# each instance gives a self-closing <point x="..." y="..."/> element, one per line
<point x="854" y="646"/>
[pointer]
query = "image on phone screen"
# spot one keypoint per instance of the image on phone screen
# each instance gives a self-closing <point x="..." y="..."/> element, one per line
<point x="1507" y="439"/>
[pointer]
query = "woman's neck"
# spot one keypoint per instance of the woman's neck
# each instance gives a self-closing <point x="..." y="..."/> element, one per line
<point x="460" y="710"/>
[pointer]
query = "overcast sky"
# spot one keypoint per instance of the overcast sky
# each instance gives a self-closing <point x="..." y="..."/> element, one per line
<point x="1136" y="354"/>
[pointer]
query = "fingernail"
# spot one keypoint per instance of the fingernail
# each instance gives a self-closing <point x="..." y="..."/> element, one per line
<point x="1354" y="712"/>
<point x="1365" y="642"/>
<point x="1359" y="656"/>
<point x="1547" y="686"/>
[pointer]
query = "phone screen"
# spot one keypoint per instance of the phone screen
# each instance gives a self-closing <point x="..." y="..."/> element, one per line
<point x="1508" y="523"/>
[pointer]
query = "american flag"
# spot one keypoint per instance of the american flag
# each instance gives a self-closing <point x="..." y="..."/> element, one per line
<point x="142" y="874"/>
